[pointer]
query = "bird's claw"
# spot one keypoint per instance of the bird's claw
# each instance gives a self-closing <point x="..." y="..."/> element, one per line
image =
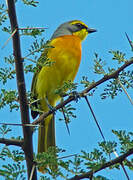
<point x="76" y="95"/>
<point x="52" y="109"/>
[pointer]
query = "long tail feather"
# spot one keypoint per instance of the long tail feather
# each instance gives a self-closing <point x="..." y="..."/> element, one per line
<point x="46" y="135"/>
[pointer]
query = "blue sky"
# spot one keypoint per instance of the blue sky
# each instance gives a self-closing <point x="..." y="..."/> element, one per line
<point x="111" y="19"/>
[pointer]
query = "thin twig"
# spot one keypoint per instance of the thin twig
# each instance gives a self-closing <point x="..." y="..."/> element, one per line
<point x="31" y="53"/>
<point x="125" y="91"/>
<point x="31" y="60"/>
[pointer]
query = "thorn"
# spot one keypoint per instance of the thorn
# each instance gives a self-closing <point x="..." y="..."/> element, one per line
<point x="33" y="28"/>
<point x="12" y="124"/>
<point x="125" y="171"/>
<point x="66" y="121"/>
<point x="32" y="172"/>
<point x="94" y="118"/>
<point x="130" y="42"/>
<point x="125" y="91"/>
<point x="9" y="38"/>
<point x="68" y="156"/>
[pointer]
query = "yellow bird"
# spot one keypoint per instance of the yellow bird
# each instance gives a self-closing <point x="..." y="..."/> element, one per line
<point x="66" y="57"/>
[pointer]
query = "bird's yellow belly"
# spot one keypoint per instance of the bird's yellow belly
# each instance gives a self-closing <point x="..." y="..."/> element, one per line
<point x="65" y="66"/>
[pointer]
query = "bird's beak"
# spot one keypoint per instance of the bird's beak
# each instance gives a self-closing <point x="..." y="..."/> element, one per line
<point x="90" y="30"/>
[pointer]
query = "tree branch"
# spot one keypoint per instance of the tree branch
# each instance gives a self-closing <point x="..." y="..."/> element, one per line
<point x="28" y="145"/>
<point x="119" y="160"/>
<point x="14" y="142"/>
<point x="113" y="75"/>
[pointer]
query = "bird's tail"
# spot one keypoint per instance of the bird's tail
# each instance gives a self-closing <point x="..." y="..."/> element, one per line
<point x="46" y="138"/>
<point x="46" y="135"/>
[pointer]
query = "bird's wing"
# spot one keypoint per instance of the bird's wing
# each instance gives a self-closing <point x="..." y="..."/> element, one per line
<point x="34" y="95"/>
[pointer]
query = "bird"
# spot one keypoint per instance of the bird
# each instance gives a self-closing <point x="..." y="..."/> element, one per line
<point x="65" y="55"/>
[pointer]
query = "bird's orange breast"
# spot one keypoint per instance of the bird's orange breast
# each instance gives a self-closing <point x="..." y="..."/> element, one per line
<point x="66" y="54"/>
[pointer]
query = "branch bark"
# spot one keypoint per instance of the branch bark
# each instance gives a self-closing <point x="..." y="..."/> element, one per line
<point x="14" y="142"/>
<point x="119" y="160"/>
<point x="83" y="93"/>
<point x="28" y="145"/>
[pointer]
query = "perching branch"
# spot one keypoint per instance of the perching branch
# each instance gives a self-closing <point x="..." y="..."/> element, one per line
<point x="28" y="145"/>
<point x="119" y="160"/>
<point x="112" y="75"/>
<point x="14" y="142"/>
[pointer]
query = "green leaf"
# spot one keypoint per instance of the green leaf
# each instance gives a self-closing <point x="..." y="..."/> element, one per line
<point x="4" y="130"/>
<point x="119" y="56"/>
<point x="112" y="89"/>
<point x="3" y="14"/>
<point x="99" y="177"/>
<point x="98" y="65"/>
<point x="14" y="170"/>
<point x="30" y="2"/>
<point x="68" y="111"/>
<point x="9" y="98"/>
<point x="31" y="31"/>
<point x="126" y="139"/>
<point x="6" y="73"/>
<point x="67" y="86"/>
<point x="107" y="146"/>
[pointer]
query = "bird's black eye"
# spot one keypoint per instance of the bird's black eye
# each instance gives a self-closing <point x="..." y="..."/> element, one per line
<point x="80" y="26"/>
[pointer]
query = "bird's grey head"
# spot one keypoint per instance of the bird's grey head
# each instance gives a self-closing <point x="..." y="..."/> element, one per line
<point x="70" y="28"/>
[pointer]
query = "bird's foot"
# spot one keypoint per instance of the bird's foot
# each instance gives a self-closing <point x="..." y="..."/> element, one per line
<point x="51" y="108"/>
<point x="76" y="95"/>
